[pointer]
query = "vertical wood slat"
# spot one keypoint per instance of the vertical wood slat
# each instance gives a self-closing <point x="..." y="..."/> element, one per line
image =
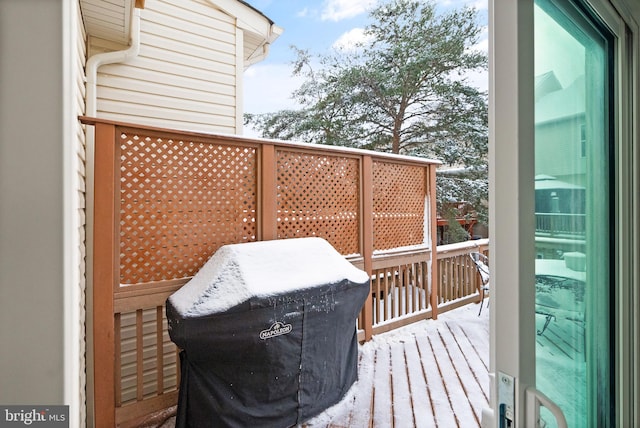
<point x="421" y="279"/>
<point x="451" y="288"/>
<point x="388" y="285"/>
<point x="416" y="288"/>
<point x="455" y="266"/>
<point x="417" y="270"/>
<point x="441" y="287"/>
<point x="159" y="352"/>
<point x="418" y="279"/>
<point x="447" y="289"/>
<point x="376" y="288"/>
<point x="401" y="300"/>
<point x="458" y="272"/>
<point x="449" y="285"/>
<point x="470" y="277"/>
<point x="461" y="276"/>
<point x="409" y="289"/>
<point x="464" y="283"/>
<point x="105" y="271"/>
<point x="406" y="289"/>
<point x="139" y="356"/>
<point x="118" y="359"/>
<point x="475" y="279"/>
<point x="464" y="266"/>
<point x="454" y="278"/>
<point x="441" y="279"/>
<point x="367" y="238"/>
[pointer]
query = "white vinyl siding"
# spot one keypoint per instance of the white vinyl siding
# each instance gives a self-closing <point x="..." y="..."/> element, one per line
<point x="80" y="221"/>
<point x="185" y="76"/>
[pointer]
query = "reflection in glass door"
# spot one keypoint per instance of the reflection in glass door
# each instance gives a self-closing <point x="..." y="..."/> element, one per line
<point x="572" y="204"/>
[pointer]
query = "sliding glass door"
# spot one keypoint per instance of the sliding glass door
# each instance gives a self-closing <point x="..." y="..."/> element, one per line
<point x="573" y="205"/>
<point x="563" y="213"/>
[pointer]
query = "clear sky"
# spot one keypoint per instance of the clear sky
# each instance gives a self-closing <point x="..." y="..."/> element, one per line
<point x="317" y="26"/>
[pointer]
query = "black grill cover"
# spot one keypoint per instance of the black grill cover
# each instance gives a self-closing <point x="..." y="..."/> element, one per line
<point x="270" y="352"/>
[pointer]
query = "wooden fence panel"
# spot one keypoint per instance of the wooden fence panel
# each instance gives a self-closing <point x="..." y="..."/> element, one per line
<point x="166" y="200"/>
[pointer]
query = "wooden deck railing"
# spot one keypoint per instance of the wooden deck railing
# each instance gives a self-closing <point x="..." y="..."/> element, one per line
<point x="165" y="201"/>
<point x="458" y="279"/>
<point x="560" y="224"/>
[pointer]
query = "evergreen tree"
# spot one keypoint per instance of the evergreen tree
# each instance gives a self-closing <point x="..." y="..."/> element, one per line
<point x="402" y="91"/>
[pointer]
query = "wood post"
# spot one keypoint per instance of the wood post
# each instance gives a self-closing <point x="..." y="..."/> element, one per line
<point x="105" y="271"/>
<point x="268" y="194"/>
<point x="433" y="233"/>
<point x="367" y="239"/>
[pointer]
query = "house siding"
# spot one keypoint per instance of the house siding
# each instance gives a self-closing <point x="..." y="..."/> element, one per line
<point x="185" y="76"/>
<point x="80" y="209"/>
<point x="558" y="143"/>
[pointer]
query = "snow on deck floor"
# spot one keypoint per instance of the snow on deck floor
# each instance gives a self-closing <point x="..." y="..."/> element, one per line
<point x="433" y="373"/>
<point x="428" y="374"/>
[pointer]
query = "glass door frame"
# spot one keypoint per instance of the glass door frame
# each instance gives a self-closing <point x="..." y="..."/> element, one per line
<point x="512" y="220"/>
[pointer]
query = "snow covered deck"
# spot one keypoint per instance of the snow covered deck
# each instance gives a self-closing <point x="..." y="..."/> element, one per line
<point x="431" y="373"/>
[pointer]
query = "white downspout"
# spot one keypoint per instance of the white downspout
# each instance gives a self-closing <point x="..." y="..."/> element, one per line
<point x="91" y="71"/>
<point x="110" y="58"/>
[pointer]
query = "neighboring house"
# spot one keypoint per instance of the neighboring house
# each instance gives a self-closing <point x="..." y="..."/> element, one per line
<point x="161" y="63"/>
<point x="560" y="126"/>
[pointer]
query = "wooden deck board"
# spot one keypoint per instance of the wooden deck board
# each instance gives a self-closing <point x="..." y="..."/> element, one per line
<point x="382" y="391"/>
<point x="401" y="398"/>
<point x="429" y="374"/>
<point x="420" y="397"/>
<point x="360" y="415"/>
<point x="465" y="374"/>
<point x="477" y="366"/>
<point x="452" y="381"/>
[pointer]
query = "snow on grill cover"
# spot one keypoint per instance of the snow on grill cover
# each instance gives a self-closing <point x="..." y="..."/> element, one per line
<point x="267" y="334"/>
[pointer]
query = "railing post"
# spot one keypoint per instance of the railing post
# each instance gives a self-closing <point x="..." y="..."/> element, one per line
<point x="268" y="195"/>
<point x="367" y="239"/>
<point x="434" y="238"/>
<point x="105" y="271"/>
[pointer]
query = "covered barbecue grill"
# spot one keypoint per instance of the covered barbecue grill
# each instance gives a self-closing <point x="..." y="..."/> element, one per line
<point x="267" y="332"/>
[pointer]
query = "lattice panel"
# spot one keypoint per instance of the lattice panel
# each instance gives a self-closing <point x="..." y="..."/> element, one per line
<point x="180" y="201"/>
<point x="399" y="193"/>
<point x="317" y="195"/>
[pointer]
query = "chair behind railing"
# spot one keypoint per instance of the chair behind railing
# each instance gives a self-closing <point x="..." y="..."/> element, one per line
<point x="481" y="263"/>
<point x="458" y="280"/>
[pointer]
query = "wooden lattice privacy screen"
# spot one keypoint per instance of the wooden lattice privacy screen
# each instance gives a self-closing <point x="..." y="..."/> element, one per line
<point x="165" y="201"/>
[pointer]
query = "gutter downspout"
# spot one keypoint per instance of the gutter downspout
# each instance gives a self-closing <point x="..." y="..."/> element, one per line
<point x="91" y="71"/>
<point x="96" y="61"/>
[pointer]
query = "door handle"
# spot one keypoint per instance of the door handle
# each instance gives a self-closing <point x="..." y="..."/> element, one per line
<point x="534" y="400"/>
